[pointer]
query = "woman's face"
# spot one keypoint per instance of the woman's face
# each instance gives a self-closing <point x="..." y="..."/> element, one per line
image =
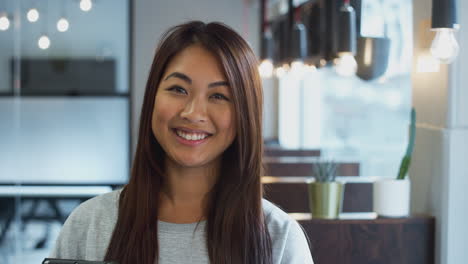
<point x="193" y="115"/>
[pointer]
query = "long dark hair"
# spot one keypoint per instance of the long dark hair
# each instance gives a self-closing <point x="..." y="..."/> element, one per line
<point x="236" y="231"/>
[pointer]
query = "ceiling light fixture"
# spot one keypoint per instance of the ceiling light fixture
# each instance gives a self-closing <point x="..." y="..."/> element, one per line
<point x="298" y="46"/>
<point x="4" y="22"/>
<point x="32" y="15"/>
<point x="62" y="24"/>
<point x="86" y="5"/>
<point x="266" y="67"/>
<point x="345" y="64"/>
<point x="43" y="42"/>
<point x="444" y="47"/>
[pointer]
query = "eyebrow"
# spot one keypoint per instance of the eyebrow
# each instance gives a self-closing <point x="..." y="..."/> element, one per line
<point x="189" y="81"/>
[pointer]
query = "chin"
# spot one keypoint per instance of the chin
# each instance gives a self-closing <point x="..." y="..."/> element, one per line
<point x="190" y="162"/>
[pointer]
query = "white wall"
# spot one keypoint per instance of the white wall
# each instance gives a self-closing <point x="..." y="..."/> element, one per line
<point x="153" y="17"/>
<point x="439" y="170"/>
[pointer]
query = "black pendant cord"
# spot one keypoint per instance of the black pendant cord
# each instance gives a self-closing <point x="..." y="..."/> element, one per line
<point x="262" y="19"/>
<point x="290" y="28"/>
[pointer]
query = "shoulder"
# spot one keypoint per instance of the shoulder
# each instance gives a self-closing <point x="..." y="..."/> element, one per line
<point x="274" y="215"/>
<point x="289" y="241"/>
<point x="102" y="208"/>
<point x="279" y="222"/>
<point x="88" y="229"/>
<point x="102" y="205"/>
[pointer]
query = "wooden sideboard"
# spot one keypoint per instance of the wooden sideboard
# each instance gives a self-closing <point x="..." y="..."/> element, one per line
<point x="379" y="241"/>
<point x="304" y="166"/>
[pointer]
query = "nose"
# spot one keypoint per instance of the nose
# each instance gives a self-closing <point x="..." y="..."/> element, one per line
<point x="194" y="111"/>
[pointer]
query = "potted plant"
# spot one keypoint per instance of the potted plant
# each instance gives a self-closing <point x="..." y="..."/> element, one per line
<point x="325" y="193"/>
<point x="391" y="197"/>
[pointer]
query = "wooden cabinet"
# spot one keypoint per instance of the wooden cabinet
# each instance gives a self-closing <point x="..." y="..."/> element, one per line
<point x="379" y="241"/>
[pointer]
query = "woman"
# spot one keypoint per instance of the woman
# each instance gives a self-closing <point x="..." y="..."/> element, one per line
<point x="195" y="193"/>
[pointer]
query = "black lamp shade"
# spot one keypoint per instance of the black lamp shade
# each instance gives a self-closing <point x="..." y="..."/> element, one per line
<point x="298" y="42"/>
<point x="444" y="13"/>
<point x="267" y="51"/>
<point x="346" y="30"/>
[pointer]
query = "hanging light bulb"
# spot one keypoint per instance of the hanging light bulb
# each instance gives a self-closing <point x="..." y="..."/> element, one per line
<point x="62" y="24"/>
<point x="298" y="44"/>
<point x="281" y="70"/>
<point x="266" y="68"/>
<point x="310" y="68"/>
<point x="32" y="15"/>
<point x="86" y="5"/>
<point x="298" y="67"/>
<point x="345" y="64"/>
<point x="43" y="42"/>
<point x="444" y="47"/>
<point x="4" y="22"/>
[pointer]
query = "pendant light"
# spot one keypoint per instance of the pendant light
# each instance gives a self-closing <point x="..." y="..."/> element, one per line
<point x="32" y="15"/>
<point x="345" y="64"/>
<point x="267" y="45"/>
<point x="444" y="47"/>
<point x="298" y="47"/>
<point x="4" y="22"/>
<point x="44" y="41"/>
<point x="266" y="65"/>
<point x="86" y="5"/>
<point x="62" y="23"/>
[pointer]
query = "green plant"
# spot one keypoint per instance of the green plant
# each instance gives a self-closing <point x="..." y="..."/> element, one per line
<point x="325" y="171"/>
<point x="406" y="161"/>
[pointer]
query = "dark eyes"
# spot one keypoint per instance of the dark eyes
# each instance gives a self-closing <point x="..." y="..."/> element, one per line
<point x="220" y="96"/>
<point x="178" y="89"/>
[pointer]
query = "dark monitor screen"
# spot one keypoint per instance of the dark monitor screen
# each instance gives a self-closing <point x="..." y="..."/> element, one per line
<point x="77" y="76"/>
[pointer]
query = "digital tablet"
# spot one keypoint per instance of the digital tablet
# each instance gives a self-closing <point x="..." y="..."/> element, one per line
<point x="74" y="261"/>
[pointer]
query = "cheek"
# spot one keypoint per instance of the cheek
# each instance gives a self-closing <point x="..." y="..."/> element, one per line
<point x="226" y="122"/>
<point x="160" y="118"/>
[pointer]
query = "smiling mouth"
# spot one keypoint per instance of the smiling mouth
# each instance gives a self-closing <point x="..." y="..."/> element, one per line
<point x="190" y="136"/>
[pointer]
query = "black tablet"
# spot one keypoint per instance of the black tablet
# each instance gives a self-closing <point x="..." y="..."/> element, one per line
<point x="74" y="261"/>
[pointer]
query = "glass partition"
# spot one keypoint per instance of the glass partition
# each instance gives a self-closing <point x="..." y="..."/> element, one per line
<point x="64" y="115"/>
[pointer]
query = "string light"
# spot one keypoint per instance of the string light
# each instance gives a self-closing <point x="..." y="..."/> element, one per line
<point x="44" y="42"/>
<point x="86" y="5"/>
<point x="4" y="22"/>
<point x="32" y="15"/>
<point x="62" y="25"/>
<point x="266" y="68"/>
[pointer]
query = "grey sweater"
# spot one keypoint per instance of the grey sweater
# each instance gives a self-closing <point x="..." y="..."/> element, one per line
<point x="87" y="232"/>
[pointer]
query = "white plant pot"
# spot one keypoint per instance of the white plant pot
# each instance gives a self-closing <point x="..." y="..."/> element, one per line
<point x="391" y="197"/>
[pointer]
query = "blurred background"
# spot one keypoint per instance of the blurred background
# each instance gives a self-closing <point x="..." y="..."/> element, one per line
<point x="73" y="74"/>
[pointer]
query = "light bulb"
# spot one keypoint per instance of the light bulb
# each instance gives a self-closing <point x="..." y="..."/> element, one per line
<point x="86" y="5"/>
<point x="62" y="25"/>
<point x="44" y="42"/>
<point x="4" y="23"/>
<point x="309" y="68"/>
<point x="32" y="15"/>
<point x="282" y="70"/>
<point x="346" y="65"/>
<point x="444" y="47"/>
<point x="297" y="66"/>
<point x="266" y="68"/>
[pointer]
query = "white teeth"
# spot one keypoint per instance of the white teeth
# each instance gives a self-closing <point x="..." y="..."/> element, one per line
<point x="194" y="136"/>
